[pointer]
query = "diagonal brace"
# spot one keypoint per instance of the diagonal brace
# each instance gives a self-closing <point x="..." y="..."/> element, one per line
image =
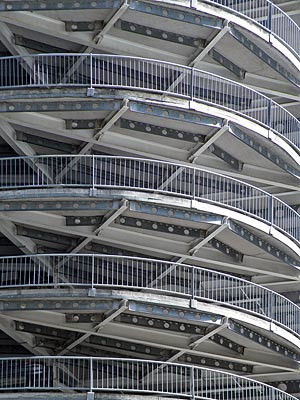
<point x="123" y="306"/>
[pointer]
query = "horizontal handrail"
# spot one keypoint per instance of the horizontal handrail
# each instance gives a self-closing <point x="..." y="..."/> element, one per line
<point x="99" y="271"/>
<point x="269" y="16"/>
<point x="148" y="175"/>
<point x="95" y="374"/>
<point x="106" y="71"/>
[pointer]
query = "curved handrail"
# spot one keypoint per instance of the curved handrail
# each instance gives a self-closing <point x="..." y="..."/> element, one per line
<point x="95" y="374"/>
<point x="262" y="12"/>
<point x="106" y="71"/>
<point x="98" y="271"/>
<point x="148" y="175"/>
<point x="268" y="16"/>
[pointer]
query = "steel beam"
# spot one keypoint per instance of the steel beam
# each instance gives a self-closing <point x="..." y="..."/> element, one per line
<point x="198" y="56"/>
<point x="194" y="344"/>
<point x="110" y="317"/>
<point x="50" y="322"/>
<point x="160" y="34"/>
<point x="195" y="248"/>
<point x="264" y="151"/>
<point x="107" y="220"/>
<point x="162" y="131"/>
<point x="221" y="59"/>
<point x="109" y="23"/>
<point x="37" y="5"/>
<point x="194" y="155"/>
<point x="177" y="15"/>
<point x="262" y="55"/>
<point x="24" y="339"/>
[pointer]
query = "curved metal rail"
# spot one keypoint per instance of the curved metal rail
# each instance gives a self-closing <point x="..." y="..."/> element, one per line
<point x="269" y="16"/>
<point x="105" y="71"/>
<point x="99" y="271"/>
<point x="109" y="172"/>
<point x="263" y="12"/>
<point x="130" y="376"/>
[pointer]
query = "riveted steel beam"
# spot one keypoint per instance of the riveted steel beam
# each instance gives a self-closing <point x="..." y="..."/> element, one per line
<point x="83" y="221"/>
<point x="229" y="344"/>
<point x="178" y="15"/>
<point x="61" y="304"/>
<point x="44" y="106"/>
<point x="97" y="344"/>
<point x="83" y="123"/>
<point x="83" y="26"/>
<point x="22" y="338"/>
<point x="213" y="219"/>
<point x="261" y="243"/>
<point x="181" y="327"/>
<point x="161" y="227"/>
<point x="210" y="235"/>
<point x="161" y="131"/>
<point x="10" y="230"/>
<point x="45" y="236"/>
<point x="227" y="250"/>
<point x="107" y="319"/>
<point x="177" y="213"/>
<point x="67" y="241"/>
<point x="174" y="313"/>
<point x="262" y="55"/>
<point x="263" y="340"/>
<point x="199" y="55"/>
<point x="45" y="142"/>
<point x="263" y="150"/>
<point x="194" y="343"/>
<point x="225" y="156"/>
<point x="105" y="222"/>
<point x="179" y="230"/>
<point x="215" y="363"/>
<point x="289" y="386"/>
<point x="159" y="34"/>
<point x="40" y="330"/>
<point x="37" y="45"/>
<point x="194" y="155"/>
<point x="161" y="323"/>
<point x="179" y="115"/>
<point x="90" y="205"/>
<point x="38" y="5"/>
<point x="232" y="67"/>
<point x="23" y="317"/>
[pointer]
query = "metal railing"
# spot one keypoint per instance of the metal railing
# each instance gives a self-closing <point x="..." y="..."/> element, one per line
<point x="263" y="12"/>
<point x="105" y="71"/>
<point x="101" y="271"/>
<point x="93" y="374"/>
<point x="269" y="16"/>
<point x="109" y="172"/>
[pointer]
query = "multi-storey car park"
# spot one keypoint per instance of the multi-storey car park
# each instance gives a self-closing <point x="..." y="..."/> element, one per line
<point x="149" y="198"/>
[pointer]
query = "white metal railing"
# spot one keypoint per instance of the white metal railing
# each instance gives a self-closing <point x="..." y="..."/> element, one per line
<point x="91" y="374"/>
<point x="93" y="70"/>
<point x="100" y="271"/>
<point x="148" y="175"/>
<point x="269" y="16"/>
<point x="263" y="12"/>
